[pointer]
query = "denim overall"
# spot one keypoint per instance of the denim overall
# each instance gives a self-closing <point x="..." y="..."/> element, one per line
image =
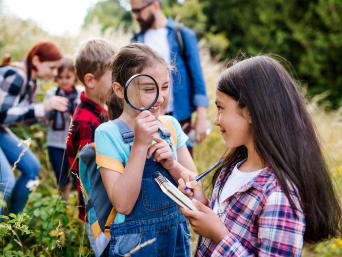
<point x="154" y="216"/>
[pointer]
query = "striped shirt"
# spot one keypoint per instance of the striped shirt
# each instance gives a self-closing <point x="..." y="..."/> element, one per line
<point x="259" y="219"/>
<point x="17" y="95"/>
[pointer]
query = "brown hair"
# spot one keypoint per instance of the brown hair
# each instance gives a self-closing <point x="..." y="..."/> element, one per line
<point x="130" y="60"/>
<point x="47" y="51"/>
<point x="95" y="57"/>
<point x="67" y="64"/>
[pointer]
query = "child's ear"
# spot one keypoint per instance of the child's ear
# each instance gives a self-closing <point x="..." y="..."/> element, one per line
<point x="118" y="90"/>
<point x="89" y="80"/>
<point x="246" y="115"/>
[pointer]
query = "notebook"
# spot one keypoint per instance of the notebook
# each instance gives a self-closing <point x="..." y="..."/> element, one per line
<point x="173" y="192"/>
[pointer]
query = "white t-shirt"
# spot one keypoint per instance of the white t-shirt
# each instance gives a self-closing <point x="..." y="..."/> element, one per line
<point x="157" y="40"/>
<point x="235" y="181"/>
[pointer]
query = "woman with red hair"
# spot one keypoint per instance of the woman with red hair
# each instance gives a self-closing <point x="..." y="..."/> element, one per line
<point x="18" y="85"/>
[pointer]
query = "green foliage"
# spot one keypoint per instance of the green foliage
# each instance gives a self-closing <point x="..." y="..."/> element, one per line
<point x="109" y="14"/>
<point x="46" y="228"/>
<point x="13" y="31"/>
<point x="190" y="13"/>
<point x="307" y="33"/>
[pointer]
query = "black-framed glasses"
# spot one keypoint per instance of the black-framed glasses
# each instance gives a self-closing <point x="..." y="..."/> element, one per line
<point x="138" y="10"/>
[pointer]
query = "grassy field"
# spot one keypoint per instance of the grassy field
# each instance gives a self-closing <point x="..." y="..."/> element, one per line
<point x="49" y="227"/>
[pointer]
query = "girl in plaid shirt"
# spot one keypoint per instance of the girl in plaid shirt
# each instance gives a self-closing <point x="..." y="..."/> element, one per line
<point x="273" y="190"/>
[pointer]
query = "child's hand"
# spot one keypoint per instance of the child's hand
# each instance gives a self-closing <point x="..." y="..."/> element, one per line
<point x="145" y="127"/>
<point x="162" y="153"/>
<point x="56" y="102"/>
<point x="194" y="191"/>
<point x="205" y="222"/>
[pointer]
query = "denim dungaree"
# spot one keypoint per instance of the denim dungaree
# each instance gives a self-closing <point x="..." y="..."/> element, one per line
<point x="154" y="215"/>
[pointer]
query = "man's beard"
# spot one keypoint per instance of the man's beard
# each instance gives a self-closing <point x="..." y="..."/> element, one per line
<point x="146" y="24"/>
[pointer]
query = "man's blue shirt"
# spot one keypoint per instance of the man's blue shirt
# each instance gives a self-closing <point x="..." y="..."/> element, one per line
<point x="189" y="89"/>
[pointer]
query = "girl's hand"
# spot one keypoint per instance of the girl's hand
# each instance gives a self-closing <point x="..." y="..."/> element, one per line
<point x="194" y="191"/>
<point x="205" y="222"/>
<point x="162" y="153"/>
<point x="145" y="127"/>
<point x="56" y="102"/>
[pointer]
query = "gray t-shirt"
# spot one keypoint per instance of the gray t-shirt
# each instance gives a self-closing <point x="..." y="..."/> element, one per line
<point x="58" y="138"/>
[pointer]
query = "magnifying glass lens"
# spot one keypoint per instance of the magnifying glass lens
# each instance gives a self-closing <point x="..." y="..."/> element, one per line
<point x="141" y="92"/>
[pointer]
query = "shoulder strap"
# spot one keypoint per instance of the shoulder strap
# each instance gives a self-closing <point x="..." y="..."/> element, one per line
<point x="169" y="126"/>
<point x="179" y="38"/>
<point x="125" y="132"/>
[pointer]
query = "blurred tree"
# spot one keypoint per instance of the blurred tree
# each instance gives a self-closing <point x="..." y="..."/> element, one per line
<point x="307" y="33"/>
<point x="109" y="13"/>
<point x="191" y="14"/>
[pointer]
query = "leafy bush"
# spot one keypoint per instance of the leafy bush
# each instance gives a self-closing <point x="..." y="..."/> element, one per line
<point x="307" y="33"/>
<point x="46" y="228"/>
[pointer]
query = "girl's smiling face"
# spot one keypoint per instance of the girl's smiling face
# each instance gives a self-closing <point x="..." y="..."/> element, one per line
<point x="234" y="122"/>
<point x="147" y="90"/>
<point x="46" y="70"/>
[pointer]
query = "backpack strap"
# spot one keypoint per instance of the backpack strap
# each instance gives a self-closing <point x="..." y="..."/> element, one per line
<point x="179" y="38"/>
<point x="169" y="126"/>
<point x="126" y="133"/>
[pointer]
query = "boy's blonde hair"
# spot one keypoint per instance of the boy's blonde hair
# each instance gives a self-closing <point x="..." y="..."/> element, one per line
<point x="94" y="56"/>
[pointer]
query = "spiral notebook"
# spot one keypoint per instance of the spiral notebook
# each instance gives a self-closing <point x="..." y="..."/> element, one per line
<point x="173" y="192"/>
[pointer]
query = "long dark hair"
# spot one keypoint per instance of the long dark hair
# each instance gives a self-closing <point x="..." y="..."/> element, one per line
<point x="130" y="60"/>
<point x="285" y="139"/>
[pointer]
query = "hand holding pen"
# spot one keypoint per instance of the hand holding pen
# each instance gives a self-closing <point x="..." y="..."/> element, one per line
<point x="206" y="172"/>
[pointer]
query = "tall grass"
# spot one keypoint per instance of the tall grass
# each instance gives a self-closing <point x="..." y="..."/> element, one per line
<point x="18" y="36"/>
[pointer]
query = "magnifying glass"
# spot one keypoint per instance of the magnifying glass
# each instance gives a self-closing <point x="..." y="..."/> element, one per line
<point x="141" y="92"/>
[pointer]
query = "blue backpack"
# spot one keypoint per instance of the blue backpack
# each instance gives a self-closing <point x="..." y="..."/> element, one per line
<point x="100" y="211"/>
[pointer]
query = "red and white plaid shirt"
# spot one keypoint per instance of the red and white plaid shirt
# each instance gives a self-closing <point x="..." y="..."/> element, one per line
<point x="259" y="219"/>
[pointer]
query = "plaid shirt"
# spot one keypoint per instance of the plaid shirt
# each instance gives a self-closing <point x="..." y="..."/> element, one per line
<point x="86" y="118"/>
<point x="17" y="94"/>
<point x="260" y="221"/>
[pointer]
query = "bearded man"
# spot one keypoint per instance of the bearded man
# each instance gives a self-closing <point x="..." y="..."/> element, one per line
<point x="187" y="92"/>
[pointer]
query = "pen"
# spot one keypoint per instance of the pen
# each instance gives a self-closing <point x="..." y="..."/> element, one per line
<point x="206" y="172"/>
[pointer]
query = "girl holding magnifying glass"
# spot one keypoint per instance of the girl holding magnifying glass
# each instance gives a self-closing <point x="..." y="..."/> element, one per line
<point x="134" y="145"/>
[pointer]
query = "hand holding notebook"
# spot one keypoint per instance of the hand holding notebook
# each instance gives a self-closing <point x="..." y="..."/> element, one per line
<point x="173" y="192"/>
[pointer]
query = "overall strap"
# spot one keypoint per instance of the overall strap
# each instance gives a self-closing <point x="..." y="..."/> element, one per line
<point x="170" y="128"/>
<point x="163" y="131"/>
<point x="126" y="133"/>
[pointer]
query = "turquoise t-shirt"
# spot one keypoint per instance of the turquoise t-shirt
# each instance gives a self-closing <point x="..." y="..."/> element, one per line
<point x="113" y="153"/>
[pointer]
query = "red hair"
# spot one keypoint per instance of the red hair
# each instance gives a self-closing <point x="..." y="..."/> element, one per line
<point x="45" y="50"/>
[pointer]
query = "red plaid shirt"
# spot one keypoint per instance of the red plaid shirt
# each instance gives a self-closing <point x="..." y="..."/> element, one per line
<point x="259" y="219"/>
<point x="87" y="117"/>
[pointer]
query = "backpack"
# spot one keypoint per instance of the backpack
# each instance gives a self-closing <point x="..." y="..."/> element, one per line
<point x="100" y="211"/>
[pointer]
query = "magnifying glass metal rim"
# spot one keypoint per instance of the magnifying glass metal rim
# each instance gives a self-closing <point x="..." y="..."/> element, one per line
<point x="126" y="88"/>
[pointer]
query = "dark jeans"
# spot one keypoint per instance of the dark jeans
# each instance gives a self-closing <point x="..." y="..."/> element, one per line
<point x="60" y="166"/>
<point x="17" y="190"/>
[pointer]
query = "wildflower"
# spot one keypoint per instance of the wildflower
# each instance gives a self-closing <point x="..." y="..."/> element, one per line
<point x="339" y="242"/>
